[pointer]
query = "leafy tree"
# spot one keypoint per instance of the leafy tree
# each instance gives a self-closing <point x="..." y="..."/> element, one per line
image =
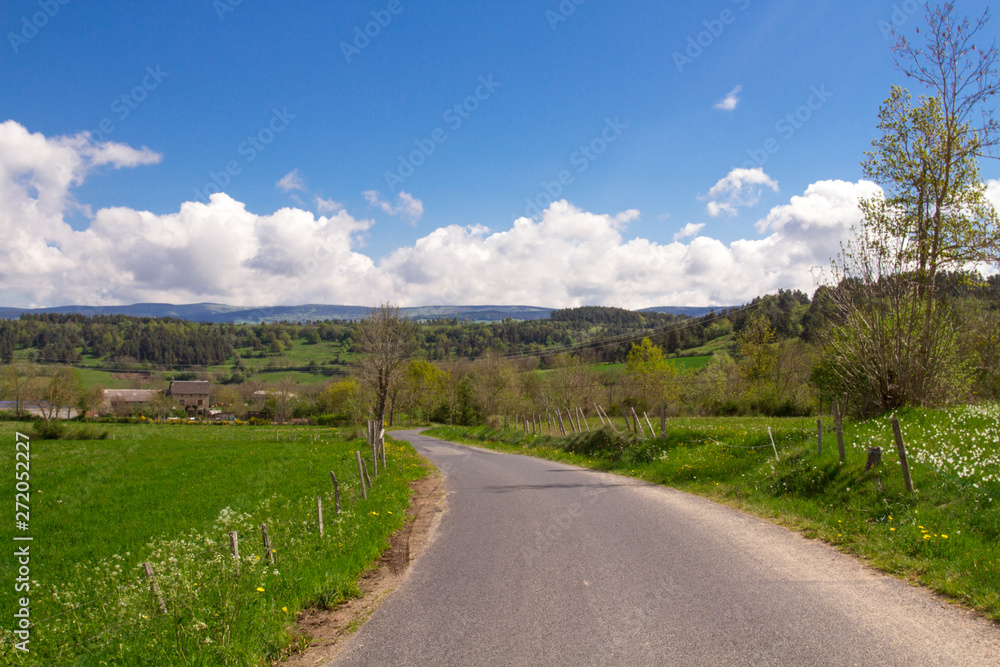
<point x="897" y="342"/>
<point x="756" y="351"/>
<point x="19" y="383"/>
<point x="647" y="374"/>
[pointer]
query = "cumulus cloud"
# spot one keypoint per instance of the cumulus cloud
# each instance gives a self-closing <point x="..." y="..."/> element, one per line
<point x="291" y="181"/>
<point x="729" y="102"/>
<point x="740" y="188"/>
<point x="407" y="206"/>
<point x="220" y="251"/>
<point x="688" y="230"/>
<point x="327" y="205"/>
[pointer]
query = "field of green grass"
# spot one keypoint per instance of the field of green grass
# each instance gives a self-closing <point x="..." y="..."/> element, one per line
<point x="944" y="535"/>
<point x="169" y="495"/>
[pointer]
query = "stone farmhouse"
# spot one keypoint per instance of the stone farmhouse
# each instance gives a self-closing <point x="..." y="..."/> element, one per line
<point x="192" y="395"/>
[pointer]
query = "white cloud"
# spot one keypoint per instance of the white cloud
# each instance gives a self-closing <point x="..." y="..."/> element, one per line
<point x="993" y="193"/>
<point x="729" y="102"/>
<point x="220" y="251"/>
<point x="740" y="188"/>
<point x="327" y="205"/>
<point x="407" y="206"/>
<point x="293" y="180"/>
<point x="690" y="229"/>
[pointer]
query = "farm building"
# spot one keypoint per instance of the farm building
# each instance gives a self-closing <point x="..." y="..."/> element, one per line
<point x="126" y="401"/>
<point x="192" y="395"/>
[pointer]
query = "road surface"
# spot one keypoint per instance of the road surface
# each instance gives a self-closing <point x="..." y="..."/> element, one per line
<point x="540" y="563"/>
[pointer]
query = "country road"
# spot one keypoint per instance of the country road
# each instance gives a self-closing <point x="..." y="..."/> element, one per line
<point x="540" y="563"/>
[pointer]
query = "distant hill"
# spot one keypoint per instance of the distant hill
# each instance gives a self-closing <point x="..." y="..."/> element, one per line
<point x="219" y="313"/>
<point x="693" y="311"/>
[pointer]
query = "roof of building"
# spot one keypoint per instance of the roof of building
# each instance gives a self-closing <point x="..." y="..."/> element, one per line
<point x="189" y="387"/>
<point x="130" y="395"/>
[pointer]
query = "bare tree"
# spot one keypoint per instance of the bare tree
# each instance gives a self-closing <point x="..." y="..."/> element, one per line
<point x="59" y="390"/>
<point x="386" y="341"/>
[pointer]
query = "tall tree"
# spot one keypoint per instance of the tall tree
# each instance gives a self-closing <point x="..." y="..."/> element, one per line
<point x="926" y="157"/>
<point x="386" y="341"/>
<point x="897" y="342"/>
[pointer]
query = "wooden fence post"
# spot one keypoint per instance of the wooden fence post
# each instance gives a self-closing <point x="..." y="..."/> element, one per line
<point x="234" y="544"/>
<point x="652" y="433"/>
<point x="874" y="458"/>
<point x="364" y="466"/>
<point x="839" y="425"/>
<point x="319" y="513"/>
<point x="901" y="448"/>
<point x="608" y="417"/>
<point x="663" y="419"/>
<point x="569" y="416"/>
<point x="599" y="415"/>
<point x="336" y="492"/>
<point x="156" y="588"/>
<point x="819" y="436"/>
<point x="625" y="416"/>
<point x="582" y="417"/>
<point x="361" y="474"/>
<point x="267" y="543"/>
<point x="562" y="427"/>
<point x="637" y="428"/>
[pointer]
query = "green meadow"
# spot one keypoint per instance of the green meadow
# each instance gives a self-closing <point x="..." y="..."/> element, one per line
<point x="170" y="495"/>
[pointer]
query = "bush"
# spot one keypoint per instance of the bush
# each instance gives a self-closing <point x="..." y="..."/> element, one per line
<point x="56" y="430"/>
<point x="51" y="430"/>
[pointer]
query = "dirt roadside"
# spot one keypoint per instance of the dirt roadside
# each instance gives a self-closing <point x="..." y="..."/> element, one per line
<point x="329" y="628"/>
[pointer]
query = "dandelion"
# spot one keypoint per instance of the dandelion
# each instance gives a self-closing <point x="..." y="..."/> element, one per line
<point x="259" y="589"/>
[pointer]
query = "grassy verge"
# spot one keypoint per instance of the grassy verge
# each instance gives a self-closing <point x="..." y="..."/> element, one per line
<point x="945" y="535"/>
<point x="169" y="495"/>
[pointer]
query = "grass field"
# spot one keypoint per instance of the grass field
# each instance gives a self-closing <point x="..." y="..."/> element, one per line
<point x="945" y="535"/>
<point x="169" y="495"/>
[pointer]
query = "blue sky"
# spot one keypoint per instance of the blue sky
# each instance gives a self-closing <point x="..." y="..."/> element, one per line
<point x="633" y="116"/>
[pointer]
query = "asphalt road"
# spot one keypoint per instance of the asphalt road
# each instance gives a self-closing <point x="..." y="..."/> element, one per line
<point x="540" y="563"/>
